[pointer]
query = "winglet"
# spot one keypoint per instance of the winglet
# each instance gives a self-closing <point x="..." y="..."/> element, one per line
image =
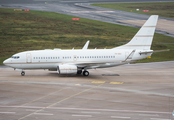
<point x="85" y="47"/>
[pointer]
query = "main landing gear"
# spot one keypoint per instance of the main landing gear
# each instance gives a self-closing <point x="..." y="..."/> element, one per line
<point x="22" y="73"/>
<point x="85" y="73"/>
<point x="79" y="72"/>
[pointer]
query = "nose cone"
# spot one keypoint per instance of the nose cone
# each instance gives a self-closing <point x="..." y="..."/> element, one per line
<point x="5" y="61"/>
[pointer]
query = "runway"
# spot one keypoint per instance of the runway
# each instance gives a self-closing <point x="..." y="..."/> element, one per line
<point x="82" y="8"/>
<point x="141" y="91"/>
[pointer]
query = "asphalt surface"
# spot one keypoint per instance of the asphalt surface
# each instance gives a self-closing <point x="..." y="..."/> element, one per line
<point x="82" y="8"/>
<point x="130" y="92"/>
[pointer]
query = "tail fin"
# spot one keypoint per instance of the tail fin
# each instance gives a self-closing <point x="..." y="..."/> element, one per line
<point x="143" y="38"/>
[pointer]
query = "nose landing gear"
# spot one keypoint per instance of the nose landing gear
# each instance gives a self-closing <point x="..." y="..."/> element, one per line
<point x="22" y="73"/>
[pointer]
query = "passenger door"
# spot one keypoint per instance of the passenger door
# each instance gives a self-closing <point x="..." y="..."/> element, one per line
<point x="28" y="58"/>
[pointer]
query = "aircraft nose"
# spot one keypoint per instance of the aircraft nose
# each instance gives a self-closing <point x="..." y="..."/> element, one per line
<point x="5" y="62"/>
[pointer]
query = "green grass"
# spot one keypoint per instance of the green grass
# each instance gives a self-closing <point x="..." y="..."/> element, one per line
<point x="163" y="9"/>
<point x="34" y="30"/>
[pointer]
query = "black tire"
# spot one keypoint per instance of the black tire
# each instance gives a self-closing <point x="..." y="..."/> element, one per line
<point x="79" y="72"/>
<point x="85" y="73"/>
<point x="22" y="73"/>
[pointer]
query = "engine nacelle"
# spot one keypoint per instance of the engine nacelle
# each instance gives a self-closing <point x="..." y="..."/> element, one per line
<point x="67" y="69"/>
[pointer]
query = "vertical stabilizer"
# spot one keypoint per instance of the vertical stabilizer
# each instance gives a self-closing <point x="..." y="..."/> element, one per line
<point x="143" y="38"/>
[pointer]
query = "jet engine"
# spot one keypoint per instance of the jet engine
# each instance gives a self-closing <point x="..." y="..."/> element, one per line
<point x="67" y="69"/>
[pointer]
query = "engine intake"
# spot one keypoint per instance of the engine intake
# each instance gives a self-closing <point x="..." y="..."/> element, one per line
<point x="67" y="69"/>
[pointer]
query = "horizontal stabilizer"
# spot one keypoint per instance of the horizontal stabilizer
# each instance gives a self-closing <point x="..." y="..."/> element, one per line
<point x="154" y="51"/>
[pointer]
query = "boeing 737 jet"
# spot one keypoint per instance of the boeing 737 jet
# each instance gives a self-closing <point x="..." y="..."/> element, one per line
<point x="76" y="61"/>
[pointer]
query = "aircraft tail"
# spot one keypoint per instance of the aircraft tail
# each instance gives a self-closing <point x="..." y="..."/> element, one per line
<point x="143" y="38"/>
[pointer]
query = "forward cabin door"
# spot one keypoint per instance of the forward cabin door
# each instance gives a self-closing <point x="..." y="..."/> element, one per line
<point x="28" y="58"/>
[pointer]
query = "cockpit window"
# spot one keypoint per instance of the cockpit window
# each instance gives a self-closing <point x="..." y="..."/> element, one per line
<point x="15" y="57"/>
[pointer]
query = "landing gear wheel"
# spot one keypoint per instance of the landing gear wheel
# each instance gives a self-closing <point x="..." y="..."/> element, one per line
<point x="79" y="72"/>
<point x="85" y="73"/>
<point x="22" y="73"/>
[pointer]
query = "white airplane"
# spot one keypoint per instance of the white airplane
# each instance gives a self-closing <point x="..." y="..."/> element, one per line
<point x="77" y="60"/>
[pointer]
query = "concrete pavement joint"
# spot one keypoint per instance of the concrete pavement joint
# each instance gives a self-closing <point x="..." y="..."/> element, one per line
<point x="60" y="101"/>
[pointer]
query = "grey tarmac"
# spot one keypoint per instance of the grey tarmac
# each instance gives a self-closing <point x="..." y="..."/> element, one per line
<point x="142" y="91"/>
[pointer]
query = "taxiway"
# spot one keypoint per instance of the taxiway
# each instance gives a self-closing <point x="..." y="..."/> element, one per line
<point x="141" y="91"/>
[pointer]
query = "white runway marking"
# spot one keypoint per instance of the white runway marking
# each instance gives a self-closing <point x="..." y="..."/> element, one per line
<point x="82" y="115"/>
<point x="43" y="114"/>
<point x="147" y="115"/>
<point x="159" y="119"/>
<point x="89" y="109"/>
<point x="120" y="117"/>
<point x="7" y="112"/>
<point x="92" y="11"/>
<point x="101" y="87"/>
<point x="91" y="112"/>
